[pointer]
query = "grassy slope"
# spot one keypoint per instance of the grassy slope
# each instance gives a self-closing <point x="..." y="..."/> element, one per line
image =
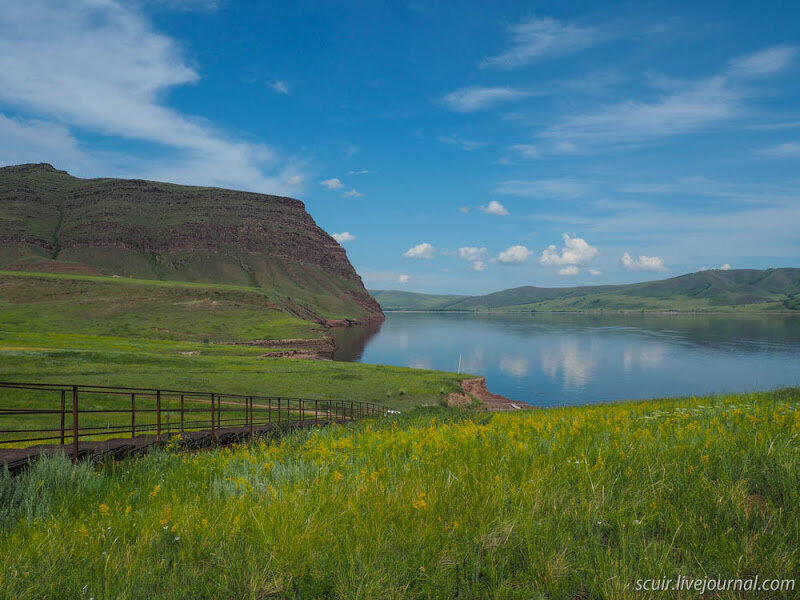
<point x="53" y="222"/>
<point x="91" y="330"/>
<point x="739" y="289"/>
<point x="560" y="503"/>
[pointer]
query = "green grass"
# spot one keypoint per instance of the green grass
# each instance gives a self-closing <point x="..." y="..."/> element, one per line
<point x="559" y="503"/>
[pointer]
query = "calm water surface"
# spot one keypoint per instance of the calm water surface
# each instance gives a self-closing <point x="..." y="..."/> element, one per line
<point x="548" y="359"/>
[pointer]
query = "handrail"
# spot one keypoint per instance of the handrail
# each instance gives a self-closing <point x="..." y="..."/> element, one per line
<point x="61" y="413"/>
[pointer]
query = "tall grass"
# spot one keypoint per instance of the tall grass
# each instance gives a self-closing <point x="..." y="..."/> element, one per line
<point x="561" y="503"/>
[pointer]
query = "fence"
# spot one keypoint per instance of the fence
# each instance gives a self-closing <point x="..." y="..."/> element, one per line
<point x="66" y="414"/>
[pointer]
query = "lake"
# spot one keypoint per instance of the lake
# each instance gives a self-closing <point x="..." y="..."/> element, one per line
<point x="568" y="359"/>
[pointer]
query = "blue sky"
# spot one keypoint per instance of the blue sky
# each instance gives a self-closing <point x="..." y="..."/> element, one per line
<point x="452" y="147"/>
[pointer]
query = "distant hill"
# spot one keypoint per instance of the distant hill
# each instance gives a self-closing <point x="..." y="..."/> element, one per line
<point x="53" y="222"/>
<point x="736" y="289"/>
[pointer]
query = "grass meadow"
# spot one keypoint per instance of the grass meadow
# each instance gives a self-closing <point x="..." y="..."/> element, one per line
<point x="558" y="503"/>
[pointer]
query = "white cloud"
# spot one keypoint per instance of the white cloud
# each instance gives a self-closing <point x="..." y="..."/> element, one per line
<point x="495" y="208"/>
<point x="691" y="109"/>
<point x="571" y="270"/>
<point x="472" y="99"/>
<point x="102" y="67"/>
<point x="471" y="253"/>
<point x="464" y="209"/>
<point x="360" y="172"/>
<point x="542" y="188"/>
<point x="515" y="255"/>
<point x="542" y="38"/>
<point x="421" y="251"/>
<point x="595" y="272"/>
<point x="343" y="237"/>
<point x="332" y="184"/>
<point x="478" y="265"/>
<point x="576" y="251"/>
<point x="725" y="267"/>
<point x="32" y="141"/>
<point x="454" y="140"/>
<point x="528" y="151"/>
<point x="476" y="257"/>
<point x="786" y="150"/>
<point x="280" y="87"/>
<point x="294" y="180"/>
<point x="644" y="263"/>
<point x="764" y="62"/>
<point x="352" y="194"/>
<point x="403" y="279"/>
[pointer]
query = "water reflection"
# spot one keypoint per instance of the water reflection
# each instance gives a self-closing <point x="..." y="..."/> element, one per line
<point x="551" y="359"/>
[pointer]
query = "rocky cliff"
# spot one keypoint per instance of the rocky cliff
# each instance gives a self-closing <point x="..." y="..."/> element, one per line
<point x="51" y="221"/>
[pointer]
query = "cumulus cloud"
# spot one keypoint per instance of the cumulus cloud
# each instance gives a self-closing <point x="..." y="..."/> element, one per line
<point x="571" y="270"/>
<point x="595" y="272"/>
<point x="352" y="194"/>
<point x="654" y="264"/>
<point x="472" y="99"/>
<point x="421" y="251"/>
<point x="332" y="184"/>
<point x="102" y="67"/>
<point x="576" y="251"/>
<point x="476" y="257"/>
<point x="403" y="279"/>
<point x="764" y="62"/>
<point x="725" y="267"/>
<point x="541" y="38"/>
<point x="343" y="237"/>
<point x="495" y="208"/>
<point x="515" y="255"/>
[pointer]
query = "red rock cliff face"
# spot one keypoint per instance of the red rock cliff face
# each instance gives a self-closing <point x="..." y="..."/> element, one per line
<point x="165" y="231"/>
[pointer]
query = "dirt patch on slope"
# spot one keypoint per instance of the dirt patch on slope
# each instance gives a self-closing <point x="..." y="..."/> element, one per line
<point x="475" y="392"/>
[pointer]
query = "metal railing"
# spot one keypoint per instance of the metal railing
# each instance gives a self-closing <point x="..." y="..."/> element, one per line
<point x="66" y="414"/>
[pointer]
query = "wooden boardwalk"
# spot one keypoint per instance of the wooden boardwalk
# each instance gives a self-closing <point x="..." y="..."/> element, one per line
<point x="69" y="419"/>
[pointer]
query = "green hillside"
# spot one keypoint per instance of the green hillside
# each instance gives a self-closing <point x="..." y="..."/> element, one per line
<point x="397" y="300"/>
<point x="739" y="289"/>
<point x="53" y="222"/>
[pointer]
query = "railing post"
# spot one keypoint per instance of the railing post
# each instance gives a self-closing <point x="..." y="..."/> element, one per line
<point x="182" y="404"/>
<point x="351" y="410"/>
<point x="158" y="415"/>
<point x="63" y="413"/>
<point x="251" y="419"/>
<point x="279" y="410"/>
<point x="133" y="415"/>
<point x="213" y="431"/>
<point x="269" y="410"/>
<point x="316" y="412"/>
<point x="302" y="404"/>
<point x="75" y="423"/>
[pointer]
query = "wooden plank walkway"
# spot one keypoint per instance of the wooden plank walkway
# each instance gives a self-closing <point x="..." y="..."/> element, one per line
<point x="18" y="459"/>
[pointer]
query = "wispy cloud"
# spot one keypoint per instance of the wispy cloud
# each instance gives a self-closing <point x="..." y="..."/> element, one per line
<point x="786" y="150"/>
<point x="543" y="38"/>
<point x="542" y="188"/>
<point x="692" y="109"/>
<point x="472" y="99"/>
<point x="353" y="194"/>
<point x="280" y="87"/>
<point x="102" y="67"/>
<point x="764" y="62"/>
<point x="454" y="140"/>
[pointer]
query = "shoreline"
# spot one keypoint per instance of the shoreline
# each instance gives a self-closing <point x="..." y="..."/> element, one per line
<point x="475" y="389"/>
<point x="597" y="312"/>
